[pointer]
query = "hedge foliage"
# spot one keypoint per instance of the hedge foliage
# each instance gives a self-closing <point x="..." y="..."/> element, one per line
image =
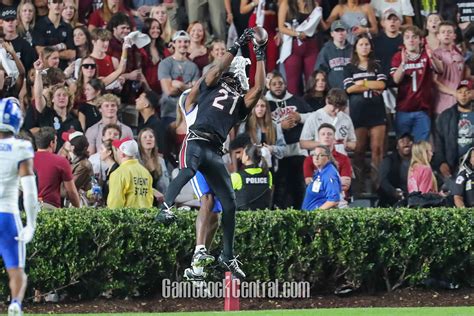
<point x="124" y="252"/>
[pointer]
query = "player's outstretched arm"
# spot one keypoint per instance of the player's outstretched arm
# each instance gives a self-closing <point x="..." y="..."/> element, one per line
<point x="192" y="97"/>
<point x="213" y="75"/>
<point x="252" y="96"/>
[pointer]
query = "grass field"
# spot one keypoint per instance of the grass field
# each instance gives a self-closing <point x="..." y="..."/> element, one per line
<point x="431" y="311"/>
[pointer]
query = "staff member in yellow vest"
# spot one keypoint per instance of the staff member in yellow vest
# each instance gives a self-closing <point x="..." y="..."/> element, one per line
<point x="131" y="184"/>
<point x="253" y="185"/>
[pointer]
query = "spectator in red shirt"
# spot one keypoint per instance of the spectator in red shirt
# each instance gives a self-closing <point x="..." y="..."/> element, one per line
<point x="108" y="67"/>
<point x="102" y="16"/>
<point x="264" y="14"/>
<point x="412" y="72"/>
<point x="52" y="170"/>
<point x="120" y="25"/>
<point x="198" y="52"/>
<point x="153" y="53"/>
<point x="326" y="133"/>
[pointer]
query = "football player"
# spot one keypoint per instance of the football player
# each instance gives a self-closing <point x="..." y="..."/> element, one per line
<point x="16" y="167"/>
<point x="223" y="101"/>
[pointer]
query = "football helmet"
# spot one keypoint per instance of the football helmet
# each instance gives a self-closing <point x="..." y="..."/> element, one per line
<point x="11" y="117"/>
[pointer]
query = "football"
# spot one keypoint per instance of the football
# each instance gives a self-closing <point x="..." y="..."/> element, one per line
<point x="260" y="36"/>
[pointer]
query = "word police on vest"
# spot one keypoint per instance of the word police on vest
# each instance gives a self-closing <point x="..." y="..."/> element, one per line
<point x="259" y="180"/>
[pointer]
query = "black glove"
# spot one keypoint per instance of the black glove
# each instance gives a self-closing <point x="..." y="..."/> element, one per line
<point x="243" y="40"/>
<point x="259" y="51"/>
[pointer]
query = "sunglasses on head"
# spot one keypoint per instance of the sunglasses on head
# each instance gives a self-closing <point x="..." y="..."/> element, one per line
<point x="89" y="66"/>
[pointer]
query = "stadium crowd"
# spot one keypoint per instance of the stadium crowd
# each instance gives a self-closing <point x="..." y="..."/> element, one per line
<point x="360" y="102"/>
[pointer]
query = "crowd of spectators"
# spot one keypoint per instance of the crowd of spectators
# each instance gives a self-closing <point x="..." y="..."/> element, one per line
<point x="363" y="99"/>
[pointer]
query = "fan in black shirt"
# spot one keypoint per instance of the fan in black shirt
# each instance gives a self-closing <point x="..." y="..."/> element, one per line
<point x="364" y="82"/>
<point x="89" y="112"/>
<point x="317" y="89"/>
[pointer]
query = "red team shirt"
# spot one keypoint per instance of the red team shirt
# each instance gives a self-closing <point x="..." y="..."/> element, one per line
<point x="105" y="66"/>
<point x="51" y="170"/>
<point x="415" y="89"/>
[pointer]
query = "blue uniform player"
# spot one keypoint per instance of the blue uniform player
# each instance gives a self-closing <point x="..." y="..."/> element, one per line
<point x="16" y="167"/>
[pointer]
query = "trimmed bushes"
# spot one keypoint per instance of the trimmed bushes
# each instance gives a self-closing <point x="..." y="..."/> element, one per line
<point x="90" y="251"/>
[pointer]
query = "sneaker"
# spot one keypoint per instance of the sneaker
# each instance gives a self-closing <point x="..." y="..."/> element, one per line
<point x="190" y="275"/>
<point x="197" y="280"/>
<point x="232" y="265"/>
<point x="202" y="259"/>
<point x="165" y="215"/>
<point x="14" y="310"/>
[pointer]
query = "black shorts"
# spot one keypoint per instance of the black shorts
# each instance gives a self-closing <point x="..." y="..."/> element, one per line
<point x="368" y="114"/>
<point x="197" y="150"/>
<point x="202" y="155"/>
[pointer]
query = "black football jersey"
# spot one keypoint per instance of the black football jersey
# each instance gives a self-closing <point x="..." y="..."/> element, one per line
<point x="220" y="108"/>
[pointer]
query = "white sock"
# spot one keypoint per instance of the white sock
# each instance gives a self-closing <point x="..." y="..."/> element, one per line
<point x="199" y="247"/>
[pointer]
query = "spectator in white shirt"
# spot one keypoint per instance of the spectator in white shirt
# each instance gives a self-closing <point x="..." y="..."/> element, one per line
<point x="332" y="113"/>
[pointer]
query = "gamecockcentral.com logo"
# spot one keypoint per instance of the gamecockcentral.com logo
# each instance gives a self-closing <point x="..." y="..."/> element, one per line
<point x="235" y="288"/>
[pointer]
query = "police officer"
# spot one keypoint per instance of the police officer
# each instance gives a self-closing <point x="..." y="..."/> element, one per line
<point x="253" y="184"/>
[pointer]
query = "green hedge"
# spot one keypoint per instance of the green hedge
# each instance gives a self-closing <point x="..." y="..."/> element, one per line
<point x="90" y="251"/>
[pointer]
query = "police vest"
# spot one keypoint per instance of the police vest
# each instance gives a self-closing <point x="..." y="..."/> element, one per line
<point x="254" y="191"/>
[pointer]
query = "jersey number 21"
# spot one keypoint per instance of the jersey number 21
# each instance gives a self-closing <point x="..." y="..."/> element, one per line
<point x="223" y="96"/>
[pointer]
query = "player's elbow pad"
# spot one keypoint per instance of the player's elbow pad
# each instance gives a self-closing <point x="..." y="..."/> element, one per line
<point x="30" y="198"/>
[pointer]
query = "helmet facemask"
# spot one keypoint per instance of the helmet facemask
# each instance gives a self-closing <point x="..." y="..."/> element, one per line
<point x="237" y="68"/>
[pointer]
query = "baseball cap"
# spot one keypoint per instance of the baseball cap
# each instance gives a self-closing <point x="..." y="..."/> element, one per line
<point x="405" y="135"/>
<point x="127" y="145"/>
<point x="181" y="35"/>
<point x="70" y="135"/>
<point x="389" y="12"/>
<point x="338" y="24"/>
<point x="8" y="14"/>
<point x="465" y="83"/>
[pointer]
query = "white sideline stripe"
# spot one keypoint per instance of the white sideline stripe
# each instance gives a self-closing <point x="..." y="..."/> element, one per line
<point x="21" y="244"/>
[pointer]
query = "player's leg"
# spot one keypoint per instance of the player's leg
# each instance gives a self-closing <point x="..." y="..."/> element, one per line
<point x="189" y="160"/>
<point x="207" y="219"/>
<point x="206" y="226"/>
<point x="212" y="221"/>
<point x="206" y="222"/>
<point x="218" y="179"/>
<point x="13" y="253"/>
<point x="17" y="283"/>
<point x="207" y="216"/>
